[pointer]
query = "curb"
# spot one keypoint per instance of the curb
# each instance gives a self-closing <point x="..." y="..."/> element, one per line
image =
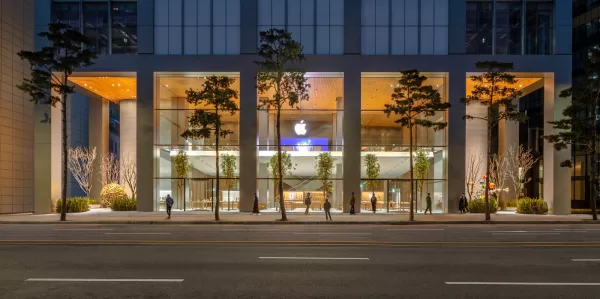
<point x="162" y="222"/>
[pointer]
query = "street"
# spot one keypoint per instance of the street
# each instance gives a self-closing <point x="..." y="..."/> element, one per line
<point x="299" y="261"/>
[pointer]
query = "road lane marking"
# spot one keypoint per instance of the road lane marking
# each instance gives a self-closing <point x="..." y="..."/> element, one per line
<point x="83" y="229"/>
<point x="524" y="283"/>
<point x="521" y="232"/>
<point x="333" y="233"/>
<point x="137" y="233"/>
<point x="415" y="229"/>
<point x="251" y="230"/>
<point x="311" y="258"/>
<point x="101" y="280"/>
<point x="585" y="260"/>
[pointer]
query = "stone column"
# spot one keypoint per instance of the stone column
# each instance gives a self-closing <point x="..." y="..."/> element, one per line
<point x="556" y="180"/>
<point x="459" y="140"/>
<point x="143" y="142"/>
<point x="351" y="151"/>
<point x="248" y="136"/>
<point x="45" y="152"/>
<point x="127" y="110"/>
<point x="98" y="138"/>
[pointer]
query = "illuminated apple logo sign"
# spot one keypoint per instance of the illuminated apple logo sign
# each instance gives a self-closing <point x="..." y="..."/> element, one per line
<point x="300" y="128"/>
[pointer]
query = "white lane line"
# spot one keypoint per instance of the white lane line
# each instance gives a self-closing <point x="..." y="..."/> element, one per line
<point x="311" y="258"/>
<point x="585" y="260"/>
<point x="416" y="229"/>
<point x="101" y="280"/>
<point x="137" y="233"/>
<point x="524" y="283"/>
<point x="571" y="230"/>
<point x="526" y="234"/>
<point x="83" y="229"/>
<point x="521" y="231"/>
<point x="333" y="233"/>
<point x="251" y="230"/>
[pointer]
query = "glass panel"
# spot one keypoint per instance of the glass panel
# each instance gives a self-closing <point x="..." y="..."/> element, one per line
<point x="479" y="27"/>
<point x="95" y="18"/>
<point x="539" y="28"/>
<point x="124" y="27"/>
<point x="508" y="28"/>
<point x="66" y="13"/>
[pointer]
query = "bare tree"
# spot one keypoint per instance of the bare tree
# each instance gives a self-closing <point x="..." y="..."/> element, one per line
<point x="129" y="169"/>
<point x="109" y="169"/>
<point x="81" y="164"/>
<point x="519" y="162"/>
<point x="498" y="175"/>
<point x="474" y="163"/>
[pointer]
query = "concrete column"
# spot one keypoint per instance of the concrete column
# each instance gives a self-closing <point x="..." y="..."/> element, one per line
<point x="556" y="180"/>
<point x="44" y="155"/>
<point x="143" y="139"/>
<point x="98" y="138"/>
<point x="339" y="122"/>
<point x="351" y="151"/>
<point x="248" y="137"/>
<point x="127" y="109"/>
<point x="458" y="139"/>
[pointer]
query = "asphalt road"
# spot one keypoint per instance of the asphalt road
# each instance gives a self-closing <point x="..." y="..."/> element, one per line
<point x="299" y="261"/>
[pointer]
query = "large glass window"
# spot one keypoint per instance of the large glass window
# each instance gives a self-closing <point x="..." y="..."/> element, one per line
<point x="66" y="13"/>
<point x="195" y="190"/>
<point x="389" y="143"/>
<point x="124" y="27"/>
<point x="540" y="27"/>
<point x="479" y="27"/>
<point x="95" y="26"/>
<point x="508" y="27"/>
<point x="314" y="128"/>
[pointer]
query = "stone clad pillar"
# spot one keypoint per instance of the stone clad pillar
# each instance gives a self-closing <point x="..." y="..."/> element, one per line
<point x="98" y="138"/>
<point x="460" y="142"/>
<point x="128" y="134"/>
<point x="143" y="142"/>
<point x="248" y="137"/>
<point x="352" y="140"/>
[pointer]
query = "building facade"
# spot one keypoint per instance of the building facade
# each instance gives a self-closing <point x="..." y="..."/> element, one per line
<point x="152" y="51"/>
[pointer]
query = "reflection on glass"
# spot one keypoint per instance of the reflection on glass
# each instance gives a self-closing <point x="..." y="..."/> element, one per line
<point x="95" y="20"/>
<point x="124" y="27"/>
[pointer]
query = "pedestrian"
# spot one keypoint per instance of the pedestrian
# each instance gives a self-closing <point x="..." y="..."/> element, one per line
<point x="307" y="202"/>
<point x="428" y="199"/>
<point x="352" y="202"/>
<point x="373" y="202"/>
<point x="327" y="207"/>
<point x="462" y="203"/>
<point x="169" y="201"/>
<point x="255" y="210"/>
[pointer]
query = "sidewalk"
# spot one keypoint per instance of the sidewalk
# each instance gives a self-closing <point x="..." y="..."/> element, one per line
<point x="103" y="216"/>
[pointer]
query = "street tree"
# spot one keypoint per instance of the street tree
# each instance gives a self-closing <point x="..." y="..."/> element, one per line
<point x="285" y="162"/>
<point x="278" y="52"/>
<point x="325" y="165"/>
<point x="228" y="165"/>
<point x="48" y="82"/>
<point x="181" y="163"/>
<point x="421" y="171"/>
<point x="493" y="90"/>
<point x="81" y="165"/>
<point x="414" y="104"/>
<point x="215" y="99"/>
<point x="579" y="126"/>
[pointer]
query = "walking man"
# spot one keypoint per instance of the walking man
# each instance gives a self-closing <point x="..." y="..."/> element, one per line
<point x="428" y="199"/>
<point x="373" y="202"/>
<point x="307" y="202"/>
<point x="169" y="201"/>
<point x="462" y="204"/>
<point x="352" y="202"/>
<point x="255" y="210"/>
<point x="327" y="207"/>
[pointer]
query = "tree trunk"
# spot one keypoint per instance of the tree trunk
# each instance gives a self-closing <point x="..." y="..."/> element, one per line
<point x="412" y="185"/>
<point x="63" y="212"/>
<point x="487" y="167"/>
<point x="279" y="164"/>
<point x="594" y="162"/>
<point x="217" y="218"/>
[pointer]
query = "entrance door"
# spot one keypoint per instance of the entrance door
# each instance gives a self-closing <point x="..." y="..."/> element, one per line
<point x="201" y="195"/>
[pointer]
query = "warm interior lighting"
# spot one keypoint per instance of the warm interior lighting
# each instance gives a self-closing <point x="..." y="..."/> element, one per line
<point x="105" y="86"/>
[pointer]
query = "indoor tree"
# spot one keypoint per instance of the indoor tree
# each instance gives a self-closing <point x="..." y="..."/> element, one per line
<point x="278" y="51"/>
<point x="48" y="82"/>
<point x="325" y="165"/>
<point x="498" y="175"/>
<point x="129" y="172"/>
<point x="228" y="165"/>
<point x="493" y="90"/>
<point x="579" y="126"/>
<point x="181" y="163"/>
<point x="421" y="169"/>
<point x="413" y="103"/>
<point x="109" y="169"/>
<point x="216" y="98"/>
<point x="372" y="169"/>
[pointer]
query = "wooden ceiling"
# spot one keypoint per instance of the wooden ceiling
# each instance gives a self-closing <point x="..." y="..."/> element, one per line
<point x="110" y="88"/>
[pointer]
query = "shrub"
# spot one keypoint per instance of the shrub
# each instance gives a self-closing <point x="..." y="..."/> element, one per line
<point x="478" y="205"/>
<point x="512" y="203"/>
<point x="124" y="204"/>
<point x="93" y="201"/>
<point x="74" y="205"/>
<point x="526" y="206"/>
<point x="111" y="192"/>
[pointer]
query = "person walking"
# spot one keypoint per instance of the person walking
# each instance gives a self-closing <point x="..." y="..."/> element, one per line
<point x="428" y="199"/>
<point x="327" y="207"/>
<point x="169" y="201"/>
<point x="462" y="204"/>
<point x="307" y="202"/>
<point x="255" y="210"/>
<point x="352" y="202"/>
<point x="373" y="202"/>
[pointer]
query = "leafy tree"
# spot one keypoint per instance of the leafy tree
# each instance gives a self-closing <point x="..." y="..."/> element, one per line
<point x="421" y="170"/>
<point x="412" y="103"/>
<point x="278" y="50"/>
<point x="278" y="173"/>
<point x="228" y="165"/>
<point x="325" y="164"/>
<point x="372" y="169"/>
<point x="579" y="127"/>
<point x="493" y="89"/>
<point x="182" y="165"/>
<point x="50" y="70"/>
<point x="218" y="96"/>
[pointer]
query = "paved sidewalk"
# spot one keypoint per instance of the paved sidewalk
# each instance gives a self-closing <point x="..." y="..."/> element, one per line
<point x="103" y="216"/>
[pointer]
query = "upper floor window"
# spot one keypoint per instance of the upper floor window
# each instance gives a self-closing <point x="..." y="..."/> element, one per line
<point x="480" y="18"/>
<point x="66" y="13"/>
<point x="95" y="20"/>
<point x="540" y="28"/>
<point x="124" y="27"/>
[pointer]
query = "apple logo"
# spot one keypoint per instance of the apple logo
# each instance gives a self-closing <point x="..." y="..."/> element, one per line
<point x="300" y="128"/>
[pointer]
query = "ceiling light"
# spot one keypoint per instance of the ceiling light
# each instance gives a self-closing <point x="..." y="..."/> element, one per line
<point x="119" y="84"/>
<point x="520" y="85"/>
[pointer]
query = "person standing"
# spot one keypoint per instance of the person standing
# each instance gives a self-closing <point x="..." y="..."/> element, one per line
<point x="255" y="210"/>
<point x="352" y="202"/>
<point x="169" y="201"/>
<point x="462" y="204"/>
<point x="307" y="202"/>
<point x="428" y="199"/>
<point x="327" y="207"/>
<point x="373" y="202"/>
